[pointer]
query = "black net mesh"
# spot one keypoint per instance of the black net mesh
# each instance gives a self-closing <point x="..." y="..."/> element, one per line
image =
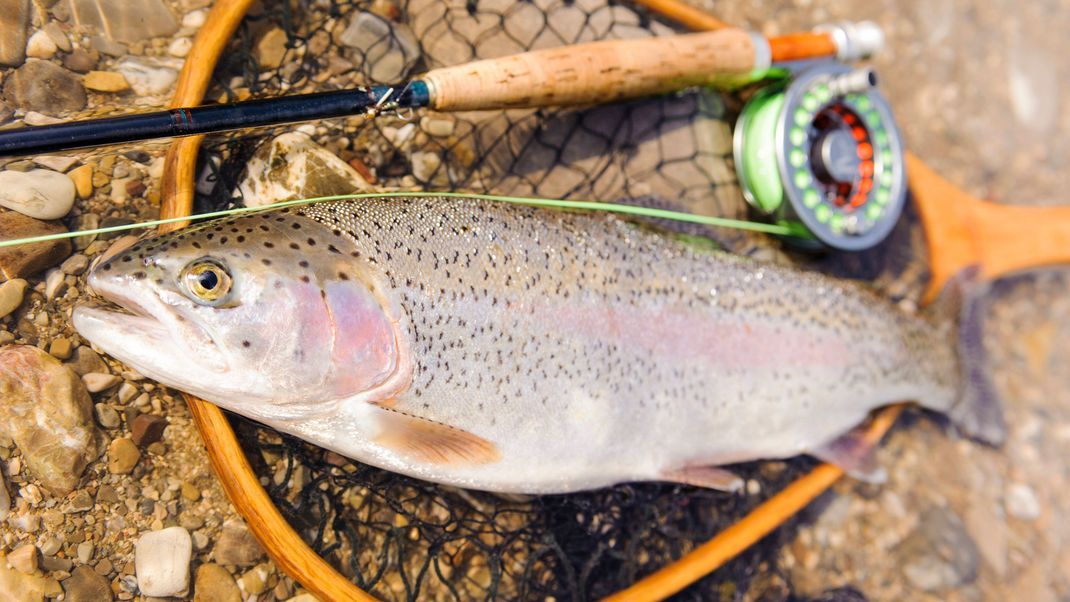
<point x="401" y="538"/>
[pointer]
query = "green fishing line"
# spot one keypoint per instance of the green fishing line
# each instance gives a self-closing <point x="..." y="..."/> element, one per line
<point x="559" y="204"/>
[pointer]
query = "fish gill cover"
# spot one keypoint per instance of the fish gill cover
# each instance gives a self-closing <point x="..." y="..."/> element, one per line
<point x="401" y="538"/>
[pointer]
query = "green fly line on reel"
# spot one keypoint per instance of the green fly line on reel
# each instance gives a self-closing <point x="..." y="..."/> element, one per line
<point x="821" y="154"/>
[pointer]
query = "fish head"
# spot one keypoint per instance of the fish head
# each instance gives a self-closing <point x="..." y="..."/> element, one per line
<point x="271" y="315"/>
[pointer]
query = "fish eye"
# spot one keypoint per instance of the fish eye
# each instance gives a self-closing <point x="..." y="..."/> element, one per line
<point x="207" y="280"/>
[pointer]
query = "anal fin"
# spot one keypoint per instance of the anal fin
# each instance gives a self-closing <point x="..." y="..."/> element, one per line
<point x="432" y="442"/>
<point x="710" y="477"/>
<point x="854" y="454"/>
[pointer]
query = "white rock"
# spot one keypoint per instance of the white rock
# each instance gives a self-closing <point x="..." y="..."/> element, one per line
<point x="149" y="77"/>
<point x="55" y="162"/>
<point x="35" y="118"/>
<point x="427" y="167"/>
<point x="1022" y="502"/>
<point x="55" y="283"/>
<point x="180" y="47"/>
<point x="161" y="561"/>
<point x="38" y="193"/>
<point x="195" y="18"/>
<point x="311" y="171"/>
<point x="41" y="46"/>
<point x="96" y="382"/>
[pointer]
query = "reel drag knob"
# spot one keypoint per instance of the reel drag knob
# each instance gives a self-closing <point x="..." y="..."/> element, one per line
<point x="823" y="156"/>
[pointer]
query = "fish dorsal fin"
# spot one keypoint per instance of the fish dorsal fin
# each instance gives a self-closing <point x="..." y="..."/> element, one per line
<point x="428" y="441"/>
<point x="710" y="477"/>
<point x="855" y="455"/>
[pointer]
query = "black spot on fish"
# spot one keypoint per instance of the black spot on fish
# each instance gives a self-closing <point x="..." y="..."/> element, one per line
<point x="303" y="263"/>
<point x="246" y="344"/>
<point x="139" y="275"/>
<point x="304" y="279"/>
<point x="241" y="238"/>
<point x="295" y="246"/>
<point x="312" y="242"/>
<point x="269" y="244"/>
<point x="265" y="261"/>
<point x="343" y="276"/>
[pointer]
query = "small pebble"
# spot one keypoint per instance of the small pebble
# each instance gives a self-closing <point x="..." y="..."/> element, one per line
<point x="85" y="552"/>
<point x="60" y="348"/>
<point x="100" y="381"/>
<point x="127" y="392"/>
<point x="106" y="415"/>
<point x="180" y="47"/>
<point x="147" y="429"/>
<point x="190" y="491"/>
<point x="105" y="81"/>
<point x="214" y="583"/>
<point x="82" y="176"/>
<point x="122" y="456"/>
<point x="1022" y="502"/>
<point x="41" y="46"/>
<point x="81" y="501"/>
<point x="87" y="585"/>
<point x="74" y="265"/>
<point x="11" y="293"/>
<point x="23" y="559"/>
<point x="255" y="581"/>
<point x="55" y="284"/>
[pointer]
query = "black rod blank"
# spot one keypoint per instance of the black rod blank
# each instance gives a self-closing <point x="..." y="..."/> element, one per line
<point x="208" y="119"/>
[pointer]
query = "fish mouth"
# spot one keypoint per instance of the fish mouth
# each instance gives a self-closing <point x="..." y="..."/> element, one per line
<point x="141" y="330"/>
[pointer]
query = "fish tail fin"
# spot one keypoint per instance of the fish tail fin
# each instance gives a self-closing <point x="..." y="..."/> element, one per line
<point x="960" y="312"/>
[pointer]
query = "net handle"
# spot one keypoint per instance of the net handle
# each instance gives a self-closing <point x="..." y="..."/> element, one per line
<point x="285" y="547"/>
<point x="598" y="72"/>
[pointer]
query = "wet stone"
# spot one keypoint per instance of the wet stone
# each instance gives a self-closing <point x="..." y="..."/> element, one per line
<point x="60" y="348"/>
<point x="81" y="501"/>
<point x="149" y="77"/>
<point x="100" y="381"/>
<point x="106" y="415"/>
<point x="308" y="170"/>
<point x="26" y="260"/>
<point x="24" y="559"/>
<point x="86" y="361"/>
<point x="105" y="81"/>
<point x="41" y="46"/>
<point x="74" y="265"/>
<point x="44" y="87"/>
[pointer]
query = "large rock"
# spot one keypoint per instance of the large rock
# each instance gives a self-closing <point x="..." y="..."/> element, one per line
<point x="126" y="21"/>
<point x="44" y="87"/>
<point x="26" y="260"/>
<point x="161" y="561"/>
<point x="292" y="166"/>
<point x="14" y="19"/>
<point x="38" y="193"/>
<point x="47" y="412"/>
<point x="385" y="51"/>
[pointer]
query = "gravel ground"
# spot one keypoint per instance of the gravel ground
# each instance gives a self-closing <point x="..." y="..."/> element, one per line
<point x="977" y="89"/>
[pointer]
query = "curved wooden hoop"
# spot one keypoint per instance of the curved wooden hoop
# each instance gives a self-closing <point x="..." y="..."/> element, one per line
<point x="239" y="481"/>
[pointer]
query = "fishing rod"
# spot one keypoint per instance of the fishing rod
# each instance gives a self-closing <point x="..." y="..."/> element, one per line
<point x="590" y="73"/>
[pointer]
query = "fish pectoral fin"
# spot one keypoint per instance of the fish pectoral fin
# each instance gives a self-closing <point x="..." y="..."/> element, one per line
<point x="433" y="442"/>
<point x="710" y="477"/>
<point x="855" y="455"/>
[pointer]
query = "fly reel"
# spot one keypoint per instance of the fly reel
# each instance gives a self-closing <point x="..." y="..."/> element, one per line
<point x="823" y="156"/>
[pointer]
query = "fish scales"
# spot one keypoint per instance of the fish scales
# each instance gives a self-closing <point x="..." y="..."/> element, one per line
<point x="579" y="349"/>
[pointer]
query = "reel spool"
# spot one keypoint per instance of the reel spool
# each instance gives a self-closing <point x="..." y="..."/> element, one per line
<point x="823" y="156"/>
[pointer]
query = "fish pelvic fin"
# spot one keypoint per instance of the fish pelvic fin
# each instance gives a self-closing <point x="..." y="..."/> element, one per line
<point x="710" y="477"/>
<point x="432" y="442"/>
<point x="978" y="411"/>
<point x="855" y="455"/>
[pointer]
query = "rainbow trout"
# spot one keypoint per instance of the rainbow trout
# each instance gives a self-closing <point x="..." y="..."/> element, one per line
<point x="516" y="349"/>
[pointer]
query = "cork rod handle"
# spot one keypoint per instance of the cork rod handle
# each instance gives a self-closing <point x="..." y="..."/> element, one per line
<point x="596" y="72"/>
